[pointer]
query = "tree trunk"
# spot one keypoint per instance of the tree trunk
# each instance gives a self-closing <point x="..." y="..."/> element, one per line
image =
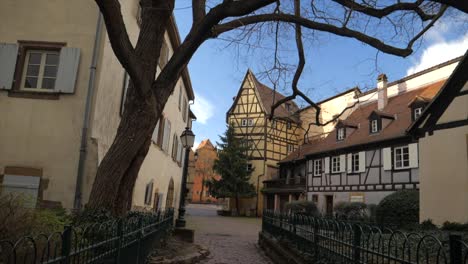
<point x="117" y="172"/>
<point x="237" y="204"/>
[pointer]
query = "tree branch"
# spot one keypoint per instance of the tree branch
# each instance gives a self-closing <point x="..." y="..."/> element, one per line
<point x="198" y="10"/>
<point x="458" y="4"/>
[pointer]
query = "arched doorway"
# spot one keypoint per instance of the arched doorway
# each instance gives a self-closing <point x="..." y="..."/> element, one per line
<point x="170" y="195"/>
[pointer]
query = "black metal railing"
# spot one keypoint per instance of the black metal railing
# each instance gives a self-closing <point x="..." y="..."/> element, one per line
<point x="285" y="183"/>
<point x="128" y="240"/>
<point x="331" y="241"/>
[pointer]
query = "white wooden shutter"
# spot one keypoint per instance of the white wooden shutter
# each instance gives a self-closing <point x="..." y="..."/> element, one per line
<point x="413" y="155"/>
<point x="327" y="165"/>
<point x="349" y="164"/>
<point x="67" y="70"/>
<point x="342" y="163"/>
<point x="362" y="161"/>
<point x="310" y="166"/>
<point x="8" y="54"/>
<point x="167" y="135"/>
<point x="387" y="158"/>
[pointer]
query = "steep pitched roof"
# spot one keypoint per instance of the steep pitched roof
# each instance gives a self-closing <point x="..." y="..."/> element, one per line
<point x="205" y="143"/>
<point x="397" y="105"/>
<point x="267" y="97"/>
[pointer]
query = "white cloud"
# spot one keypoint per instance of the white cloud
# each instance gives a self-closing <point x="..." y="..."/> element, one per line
<point x="438" y="52"/>
<point x="195" y="145"/>
<point x="203" y="109"/>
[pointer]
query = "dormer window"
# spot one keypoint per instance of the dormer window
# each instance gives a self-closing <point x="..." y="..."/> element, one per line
<point x="288" y="107"/>
<point x="340" y="134"/>
<point x="417" y="112"/>
<point x="374" y="126"/>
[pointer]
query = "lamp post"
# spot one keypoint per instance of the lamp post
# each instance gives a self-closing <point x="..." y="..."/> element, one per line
<point x="187" y="139"/>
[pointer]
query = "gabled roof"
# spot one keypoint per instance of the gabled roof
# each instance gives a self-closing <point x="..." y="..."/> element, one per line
<point x="397" y="105"/>
<point x="431" y="114"/>
<point x="205" y="143"/>
<point x="382" y="114"/>
<point x="267" y="98"/>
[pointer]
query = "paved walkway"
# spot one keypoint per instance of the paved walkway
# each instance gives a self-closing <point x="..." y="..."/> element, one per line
<point x="231" y="240"/>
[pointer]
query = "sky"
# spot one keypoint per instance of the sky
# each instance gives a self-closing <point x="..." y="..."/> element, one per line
<point x="333" y="64"/>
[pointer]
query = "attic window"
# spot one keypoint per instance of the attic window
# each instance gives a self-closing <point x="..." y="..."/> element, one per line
<point x="374" y="126"/>
<point x="288" y="107"/>
<point x="340" y="134"/>
<point x="289" y="125"/>
<point x="417" y="112"/>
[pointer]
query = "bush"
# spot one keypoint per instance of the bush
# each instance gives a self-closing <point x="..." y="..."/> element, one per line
<point x="399" y="209"/>
<point x="303" y="207"/>
<point x="16" y="220"/>
<point x="427" y="225"/>
<point x="454" y="226"/>
<point x="351" y="210"/>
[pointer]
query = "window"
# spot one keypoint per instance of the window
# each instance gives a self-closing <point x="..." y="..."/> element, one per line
<point x="417" y="112"/>
<point x="336" y="166"/>
<point x="126" y="83"/>
<point x="20" y="185"/>
<point x="247" y="122"/>
<point x="374" y="126"/>
<point x="148" y="193"/>
<point x="175" y="147"/>
<point x="289" y="125"/>
<point x="184" y="111"/>
<point x="290" y="148"/>
<point x="340" y="133"/>
<point x="401" y="157"/>
<point x="355" y="162"/>
<point x="317" y="167"/>
<point x="40" y="70"/>
<point x="356" y="198"/>
<point x="160" y="131"/>
<point x="250" y="122"/>
<point x="166" y="135"/>
<point x="249" y="167"/>
<point x="180" y="97"/>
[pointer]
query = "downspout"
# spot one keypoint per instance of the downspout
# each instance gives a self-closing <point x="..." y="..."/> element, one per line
<point x="87" y="114"/>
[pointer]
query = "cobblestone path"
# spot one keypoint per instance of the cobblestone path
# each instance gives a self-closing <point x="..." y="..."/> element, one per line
<point x="231" y="240"/>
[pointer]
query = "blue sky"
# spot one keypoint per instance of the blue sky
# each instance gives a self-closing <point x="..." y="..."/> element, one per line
<point x="333" y="64"/>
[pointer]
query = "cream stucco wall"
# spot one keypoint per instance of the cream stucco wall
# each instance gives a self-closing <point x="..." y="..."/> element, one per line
<point x="158" y="165"/>
<point x="444" y="168"/>
<point x="42" y="133"/>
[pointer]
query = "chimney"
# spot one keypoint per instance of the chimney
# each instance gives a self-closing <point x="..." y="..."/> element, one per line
<point x="382" y="91"/>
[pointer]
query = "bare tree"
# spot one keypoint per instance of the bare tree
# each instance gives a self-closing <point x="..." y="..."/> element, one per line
<point x="147" y="96"/>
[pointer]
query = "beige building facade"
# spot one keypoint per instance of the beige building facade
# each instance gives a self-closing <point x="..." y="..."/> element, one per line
<point x="51" y="74"/>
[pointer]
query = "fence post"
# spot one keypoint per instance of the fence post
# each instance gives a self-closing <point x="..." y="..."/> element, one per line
<point x="455" y="249"/>
<point x="66" y="244"/>
<point x="316" y="239"/>
<point x="119" y="240"/>
<point x="357" y="244"/>
<point x="139" y="237"/>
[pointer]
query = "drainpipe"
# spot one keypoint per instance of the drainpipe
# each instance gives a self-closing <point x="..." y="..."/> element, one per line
<point x="87" y="114"/>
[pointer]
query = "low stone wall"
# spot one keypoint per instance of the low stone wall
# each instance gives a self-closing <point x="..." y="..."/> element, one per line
<point x="279" y="252"/>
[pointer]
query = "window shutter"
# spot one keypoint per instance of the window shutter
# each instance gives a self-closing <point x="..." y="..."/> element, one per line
<point x="349" y="165"/>
<point x="67" y="70"/>
<point x="154" y="137"/>
<point x="362" y="161"/>
<point x="387" y="158"/>
<point x="8" y="54"/>
<point x="167" y="134"/>
<point x="310" y="166"/>
<point x="342" y="163"/>
<point x="327" y="165"/>
<point x="413" y="155"/>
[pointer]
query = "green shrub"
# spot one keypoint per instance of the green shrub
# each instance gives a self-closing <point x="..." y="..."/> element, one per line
<point x="351" y="210"/>
<point x="454" y="226"/>
<point x="399" y="209"/>
<point x="304" y="207"/>
<point x="427" y="225"/>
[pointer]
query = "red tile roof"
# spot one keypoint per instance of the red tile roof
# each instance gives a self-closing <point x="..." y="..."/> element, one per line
<point x="397" y="106"/>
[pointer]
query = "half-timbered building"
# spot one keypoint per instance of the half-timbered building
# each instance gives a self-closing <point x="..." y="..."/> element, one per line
<point x="368" y="154"/>
<point x="269" y="140"/>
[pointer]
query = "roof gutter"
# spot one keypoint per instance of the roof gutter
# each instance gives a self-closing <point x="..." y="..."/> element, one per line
<point x="87" y="114"/>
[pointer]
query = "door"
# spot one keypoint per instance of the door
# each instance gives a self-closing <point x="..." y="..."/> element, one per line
<point x="329" y="205"/>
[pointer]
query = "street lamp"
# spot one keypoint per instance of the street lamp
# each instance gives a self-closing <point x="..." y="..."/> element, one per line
<point x="187" y="138"/>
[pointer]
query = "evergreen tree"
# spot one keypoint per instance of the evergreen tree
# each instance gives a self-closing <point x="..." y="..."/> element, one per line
<point x="232" y="166"/>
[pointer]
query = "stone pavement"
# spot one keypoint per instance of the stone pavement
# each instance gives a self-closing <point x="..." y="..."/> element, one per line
<point x="231" y="240"/>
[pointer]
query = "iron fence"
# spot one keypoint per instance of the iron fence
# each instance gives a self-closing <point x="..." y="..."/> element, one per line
<point x="128" y="240"/>
<point x="332" y="241"/>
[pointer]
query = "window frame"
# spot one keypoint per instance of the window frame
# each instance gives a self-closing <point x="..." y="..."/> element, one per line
<point x="335" y="166"/>
<point x="290" y="148"/>
<point x="374" y="126"/>
<point x="340" y="134"/>
<point x="355" y="162"/>
<point x="244" y="122"/>
<point x="401" y="155"/>
<point x="317" y="168"/>
<point x="250" y="122"/>
<point x="25" y="46"/>
<point x="289" y="125"/>
<point x="417" y="112"/>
